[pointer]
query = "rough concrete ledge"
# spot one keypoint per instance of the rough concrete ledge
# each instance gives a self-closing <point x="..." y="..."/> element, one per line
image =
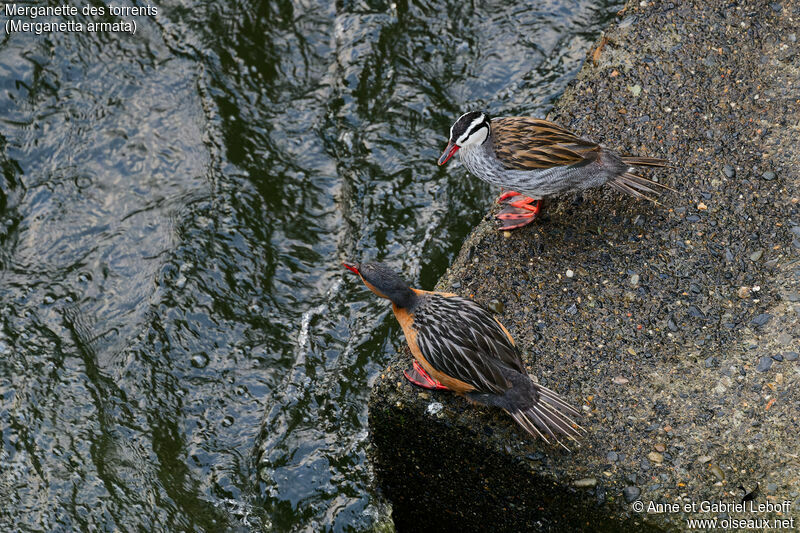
<point x="677" y="327"/>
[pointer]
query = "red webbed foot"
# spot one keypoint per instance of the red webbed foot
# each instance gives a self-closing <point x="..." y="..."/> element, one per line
<point x="417" y="375"/>
<point x="519" y="213"/>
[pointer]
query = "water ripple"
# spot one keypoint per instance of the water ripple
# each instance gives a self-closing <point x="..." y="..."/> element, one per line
<point x="180" y="348"/>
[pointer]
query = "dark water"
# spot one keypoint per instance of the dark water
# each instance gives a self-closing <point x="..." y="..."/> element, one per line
<point x="179" y="347"/>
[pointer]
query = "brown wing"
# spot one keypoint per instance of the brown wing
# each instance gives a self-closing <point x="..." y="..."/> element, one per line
<point x="406" y="321"/>
<point x="462" y="340"/>
<point x="525" y="143"/>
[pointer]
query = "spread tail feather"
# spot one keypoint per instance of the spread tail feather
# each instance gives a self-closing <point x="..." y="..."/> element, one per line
<point x="548" y="415"/>
<point x="645" y="161"/>
<point x="638" y="186"/>
<point x="540" y="411"/>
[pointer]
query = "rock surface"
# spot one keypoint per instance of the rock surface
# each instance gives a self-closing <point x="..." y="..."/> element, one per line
<point x="718" y="96"/>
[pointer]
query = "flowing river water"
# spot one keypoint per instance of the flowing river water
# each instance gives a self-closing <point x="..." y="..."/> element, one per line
<point x="180" y="348"/>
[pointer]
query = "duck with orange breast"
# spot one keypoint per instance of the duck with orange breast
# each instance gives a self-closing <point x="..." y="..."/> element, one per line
<point x="460" y="346"/>
<point x="535" y="158"/>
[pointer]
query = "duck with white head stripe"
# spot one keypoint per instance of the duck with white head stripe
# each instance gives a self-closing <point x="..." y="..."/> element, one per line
<point x="535" y="158"/>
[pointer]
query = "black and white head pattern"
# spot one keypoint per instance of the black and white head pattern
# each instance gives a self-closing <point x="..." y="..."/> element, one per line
<point x="470" y="129"/>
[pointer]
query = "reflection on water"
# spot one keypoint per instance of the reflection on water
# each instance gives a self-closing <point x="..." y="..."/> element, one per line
<point x="179" y="347"/>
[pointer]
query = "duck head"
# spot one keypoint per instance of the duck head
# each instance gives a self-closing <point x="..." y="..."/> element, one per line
<point x="385" y="282"/>
<point x="471" y="129"/>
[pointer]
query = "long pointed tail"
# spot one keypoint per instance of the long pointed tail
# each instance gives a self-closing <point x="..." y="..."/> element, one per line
<point x="637" y="186"/>
<point x="645" y="161"/>
<point x="548" y="414"/>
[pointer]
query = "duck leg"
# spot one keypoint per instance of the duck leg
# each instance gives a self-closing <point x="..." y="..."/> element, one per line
<point x="518" y="213"/>
<point x="506" y="195"/>
<point x="417" y="375"/>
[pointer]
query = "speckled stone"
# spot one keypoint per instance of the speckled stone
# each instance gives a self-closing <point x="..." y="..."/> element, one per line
<point x="631" y="493"/>
<point x="655" y="457"/>
<point x="657" y="334"/>
<point x="761" y="319"/>
<point x="728" y="171"/>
